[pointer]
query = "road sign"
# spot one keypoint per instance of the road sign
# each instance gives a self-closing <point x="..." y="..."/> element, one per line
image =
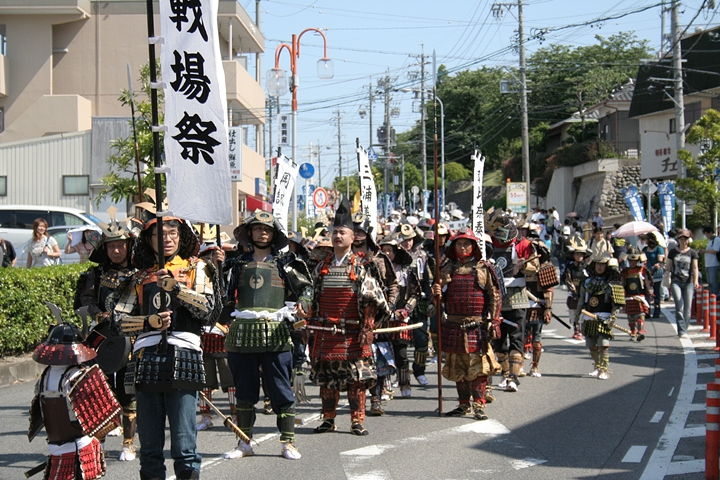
<point x="371" y="154"/>
<point x="320" y="197"/>
<point x="648" y="187"/>
<point x="307" y="170"/>
<point x="415" y="189"/>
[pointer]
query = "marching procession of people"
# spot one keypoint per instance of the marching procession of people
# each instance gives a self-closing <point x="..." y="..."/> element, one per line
<point x="342" y="307"/>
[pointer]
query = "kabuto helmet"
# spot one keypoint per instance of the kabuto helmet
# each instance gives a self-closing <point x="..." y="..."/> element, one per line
<point x="243" y="231"/>
<point x="110" y="232"/>
<point x="63" y="345"/>
<point x="463" y="233"/>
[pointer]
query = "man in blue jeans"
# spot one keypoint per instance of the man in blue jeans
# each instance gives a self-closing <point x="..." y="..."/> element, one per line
<point x="711" y="261"/>
<point x="655" y="265"/>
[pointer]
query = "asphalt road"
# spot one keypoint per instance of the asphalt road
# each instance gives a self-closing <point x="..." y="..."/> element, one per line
<point x="644" y="422"/>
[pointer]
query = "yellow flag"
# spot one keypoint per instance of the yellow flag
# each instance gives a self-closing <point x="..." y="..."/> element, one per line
<point x="356" y="203"/>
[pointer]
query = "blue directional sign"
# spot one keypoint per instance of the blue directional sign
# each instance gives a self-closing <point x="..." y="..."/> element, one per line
<point x="307" y="170"/>
<point x="371" y="154"/>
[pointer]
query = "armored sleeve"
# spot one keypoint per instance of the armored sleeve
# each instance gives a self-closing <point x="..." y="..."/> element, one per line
<point x="200" y="299"/>
<point x="88" y="293"/>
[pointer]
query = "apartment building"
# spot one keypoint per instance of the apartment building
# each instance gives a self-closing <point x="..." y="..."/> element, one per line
<point x="63" y="64"/>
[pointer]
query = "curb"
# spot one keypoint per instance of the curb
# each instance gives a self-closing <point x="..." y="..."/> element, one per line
<point x="20" y="369"/>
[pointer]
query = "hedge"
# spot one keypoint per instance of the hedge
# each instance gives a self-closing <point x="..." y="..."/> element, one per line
<point x="24" y="317"/>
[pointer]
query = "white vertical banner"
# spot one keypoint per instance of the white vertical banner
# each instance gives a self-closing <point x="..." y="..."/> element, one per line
<point x="368" y="192"/>
<point x="285" y="177"/>
<point x="235" y="135"/>
<point x="196" y="139"/>
<point x="477" y="218"/>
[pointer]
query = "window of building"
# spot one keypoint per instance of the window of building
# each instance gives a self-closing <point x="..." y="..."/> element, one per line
<point x="3" y="186"/>
<point x="693" y="112"/>
<point x="76" y="185"/>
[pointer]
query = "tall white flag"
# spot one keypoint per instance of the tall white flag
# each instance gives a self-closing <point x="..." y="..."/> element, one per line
<point x="368" y="192"/>
<point x="196" y="139"/>
<point x="285" y="177"/>
<point x="478" y="212"/>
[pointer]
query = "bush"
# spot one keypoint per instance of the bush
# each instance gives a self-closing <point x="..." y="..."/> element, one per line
<point x="24" y="317"/>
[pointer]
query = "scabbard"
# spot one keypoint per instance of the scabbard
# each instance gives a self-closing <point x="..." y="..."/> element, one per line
<point x="35" y="470"/>
<point x="401" y="328"/>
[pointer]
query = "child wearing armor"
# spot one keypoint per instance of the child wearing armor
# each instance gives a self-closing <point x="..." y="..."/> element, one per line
<point x="636" y="281"/>
<point x="602" y="295"/>
<point x="573" y="277"/>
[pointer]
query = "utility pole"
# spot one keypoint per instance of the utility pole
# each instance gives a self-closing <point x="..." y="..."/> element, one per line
<point x="387" y="88"/>
<point x="524" y="109"/>
<point x="679" y="100"/>
<point x="319" y="151"/>
<point x="339" y="139"/>
<point x="423" y="146"/>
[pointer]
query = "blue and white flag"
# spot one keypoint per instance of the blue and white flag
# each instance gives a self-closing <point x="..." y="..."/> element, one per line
<point x="196" y="139"/>
<point x="666" y="191"/>
<point x="632" y="198"/>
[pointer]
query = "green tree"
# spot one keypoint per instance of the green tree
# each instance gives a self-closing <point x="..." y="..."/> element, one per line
<point x="121" y="183"/>
<point x="701" y="180"/>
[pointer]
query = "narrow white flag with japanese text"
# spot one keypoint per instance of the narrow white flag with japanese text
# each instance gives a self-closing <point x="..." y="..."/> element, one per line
<point x="196" y="140"/>
<point x="368" y="192"/>
<point x="478" y="212"/>
<point x="285" y="177"/>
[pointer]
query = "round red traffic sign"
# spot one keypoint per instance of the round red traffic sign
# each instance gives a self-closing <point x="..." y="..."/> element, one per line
<point x="320" y="197"/>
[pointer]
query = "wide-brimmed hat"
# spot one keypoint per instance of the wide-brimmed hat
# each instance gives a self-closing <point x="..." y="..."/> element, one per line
<point x="634" y="253"/>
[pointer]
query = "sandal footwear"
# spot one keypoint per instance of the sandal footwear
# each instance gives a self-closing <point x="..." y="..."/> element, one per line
<point x="358" y="429"/>
<point x="460" y="411"/>
<point x="328" y="425"/>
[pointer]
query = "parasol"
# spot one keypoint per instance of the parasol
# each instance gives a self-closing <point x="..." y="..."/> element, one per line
<point x="633" y="229"/>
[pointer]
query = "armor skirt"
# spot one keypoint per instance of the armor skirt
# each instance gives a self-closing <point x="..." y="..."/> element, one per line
<point x="341" y="374"/>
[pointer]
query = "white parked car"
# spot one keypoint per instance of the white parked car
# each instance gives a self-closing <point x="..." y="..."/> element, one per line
<point x="16" y="220"/>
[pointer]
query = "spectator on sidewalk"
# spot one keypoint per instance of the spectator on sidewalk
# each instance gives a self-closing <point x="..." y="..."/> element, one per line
<point x="7" y="254"/>
<point x="711" y="260"/>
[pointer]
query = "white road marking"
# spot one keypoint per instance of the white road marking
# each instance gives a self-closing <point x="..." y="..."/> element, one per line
<point x="635" y="454"/>
<point x="658" y="465"/>
<point x="526" y="462"/>
<point x="672" y="390"/>
<point x="366" y="463"/>
<point x="657" y="417"/>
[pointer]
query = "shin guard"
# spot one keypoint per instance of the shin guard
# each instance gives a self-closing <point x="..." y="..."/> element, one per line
<point x="329" y="400"/>
<point x="245" y="417"/>
<point x="479" y="387"/>
<point x="464" y="392"/>
<point x="129" y="424"/>
<point x="286" y="423"/>
<point x="537" y="352"/>
<point x="356" y="398"/>
<point x="231" y="399"/>
<point x="203" y="405"/>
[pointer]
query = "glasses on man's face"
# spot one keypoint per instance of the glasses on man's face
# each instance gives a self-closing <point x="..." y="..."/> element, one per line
<point x="174" y="234"/>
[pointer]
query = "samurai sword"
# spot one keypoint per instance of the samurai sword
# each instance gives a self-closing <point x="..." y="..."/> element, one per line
<point x="638" y="336"/>
<point x="226" y="420"/>
<point x="542" y="302"/>
<point x="335" y="330"/>
<point x="401" y="328"/>
<point x="35" y="470"/>
<point x="476" y="324"/>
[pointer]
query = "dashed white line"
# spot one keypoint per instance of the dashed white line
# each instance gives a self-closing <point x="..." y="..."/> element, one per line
<point x="635" y="454"/>
<point x="672" y="390"/>
<point x="657" y="417"/>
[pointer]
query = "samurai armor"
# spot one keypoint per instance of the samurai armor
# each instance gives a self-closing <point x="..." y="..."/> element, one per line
<point x="457" y="340"/>
<point x="598" y="303"/>
<point x="258" y="336"/>
<point x="260" y="287"/>
<point x="460" y="368"/>
<point x="572" y="302"/>
<point x="618" y="293"/>
<point x="516" y="299"/>
<point x="88" y="460"/>
<point x="330" y="346"/>
<point x="58" y="425"/>
<point x="592" y="328"/>
<point x="175" y="368"/>
<point x="464" y="296"/>
<point x="113" y="349"/>
<point x="403" y="336"/>
<point x="213" y="343"/>
<point x="341" y="375"/>
<point x="547" y="275"/>
<point x="635" y="307"/>
<point x="95" y="407"/>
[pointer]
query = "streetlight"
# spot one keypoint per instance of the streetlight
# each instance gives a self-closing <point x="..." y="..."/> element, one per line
<point x="277" y="85"/>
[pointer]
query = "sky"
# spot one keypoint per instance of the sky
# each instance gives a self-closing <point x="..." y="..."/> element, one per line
<point x="366" y="40"/>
